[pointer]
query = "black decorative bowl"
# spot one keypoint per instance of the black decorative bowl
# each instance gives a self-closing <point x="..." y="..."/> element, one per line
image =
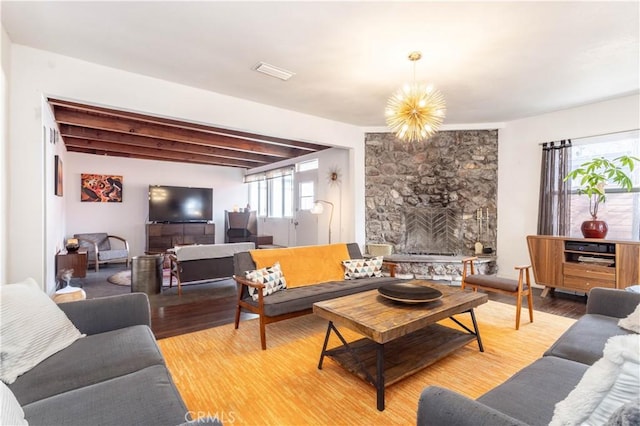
<point x="409" y="293"/>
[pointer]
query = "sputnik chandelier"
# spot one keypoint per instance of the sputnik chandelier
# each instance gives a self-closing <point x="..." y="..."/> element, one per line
<point x="416" y="110"/>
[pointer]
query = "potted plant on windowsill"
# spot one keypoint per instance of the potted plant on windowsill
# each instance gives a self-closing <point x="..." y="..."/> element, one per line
<point x="594" y="176"/>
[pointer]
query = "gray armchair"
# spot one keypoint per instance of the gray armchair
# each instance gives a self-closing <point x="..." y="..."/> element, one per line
<point x="100" y="250"/>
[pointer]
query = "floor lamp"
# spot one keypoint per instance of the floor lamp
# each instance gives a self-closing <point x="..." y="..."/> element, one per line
<point x="318" y="209"/>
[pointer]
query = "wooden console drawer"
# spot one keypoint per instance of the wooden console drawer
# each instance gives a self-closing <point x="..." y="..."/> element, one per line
<point x="588" y="271"/>
<point x="585" y="284"/>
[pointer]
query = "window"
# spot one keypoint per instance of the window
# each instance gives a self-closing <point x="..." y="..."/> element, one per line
<point x="271" y="193"/>
<point x="307" y="194"/>
<point x="258" y="197"/>
<point x="305" y="166"/>
<point x="621" y="211"/>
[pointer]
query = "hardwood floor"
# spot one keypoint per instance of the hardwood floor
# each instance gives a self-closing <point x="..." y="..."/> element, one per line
<point x="197" y="313"/>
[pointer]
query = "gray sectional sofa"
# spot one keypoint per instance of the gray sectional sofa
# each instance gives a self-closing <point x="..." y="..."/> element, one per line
<point x="115" y="375"/>
<point x="529" y="397"/>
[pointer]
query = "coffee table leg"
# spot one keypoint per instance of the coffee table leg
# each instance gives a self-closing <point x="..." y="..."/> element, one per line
<point x="324" y="346"/>
<point x="380" y="377"/>
<point x="477" y="331"/>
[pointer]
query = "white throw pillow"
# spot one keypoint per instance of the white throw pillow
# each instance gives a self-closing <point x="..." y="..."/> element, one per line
<point x="11" y="412"/>
<point x="608" y="384"/>
<point x="33" y="328"/>
<point x="632" y="322"/>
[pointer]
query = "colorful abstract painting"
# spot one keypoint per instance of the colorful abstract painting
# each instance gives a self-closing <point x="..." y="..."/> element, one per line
<point x="101" y="188"/>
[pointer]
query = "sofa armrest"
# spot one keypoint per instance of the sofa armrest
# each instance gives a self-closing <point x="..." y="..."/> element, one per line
<point x="124" y="242"/>
<point x="243" y="288"/>
<point x="612" y="302"/>
<point x="93" y="316"/>
<point x="441" y="407"/>
<point x="247" y="283"/>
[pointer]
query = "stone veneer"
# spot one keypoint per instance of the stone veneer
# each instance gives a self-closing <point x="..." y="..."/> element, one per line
<point x="452" y="169"/>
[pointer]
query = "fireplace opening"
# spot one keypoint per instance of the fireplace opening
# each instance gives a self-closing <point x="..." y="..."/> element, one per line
<point x="433" y="231"/>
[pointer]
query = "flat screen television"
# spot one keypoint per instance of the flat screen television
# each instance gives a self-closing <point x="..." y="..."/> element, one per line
<point x="178" y="204"/>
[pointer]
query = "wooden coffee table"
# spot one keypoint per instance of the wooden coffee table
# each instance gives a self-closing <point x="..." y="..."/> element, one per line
<point x="399" y="338"/>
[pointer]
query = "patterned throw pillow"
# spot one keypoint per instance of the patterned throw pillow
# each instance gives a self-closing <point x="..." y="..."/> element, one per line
<point x="271" y="277"/>
<point x="362" y="268"/>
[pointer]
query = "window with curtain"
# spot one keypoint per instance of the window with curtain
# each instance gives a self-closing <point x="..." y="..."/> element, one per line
<point x="562" y="210"/>
<point x="621" y="211"/>
<point x="555" y="202"/>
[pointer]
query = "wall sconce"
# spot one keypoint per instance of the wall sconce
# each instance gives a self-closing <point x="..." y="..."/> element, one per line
<point x="319" y="209"/>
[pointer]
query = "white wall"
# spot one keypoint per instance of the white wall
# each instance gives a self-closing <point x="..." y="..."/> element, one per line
<point x="54" y="227"/>
<point x="519" y="157"/>
<point x="4" y="148"/>
<point x="36" y="72"/>
<point x="128" y="218"/>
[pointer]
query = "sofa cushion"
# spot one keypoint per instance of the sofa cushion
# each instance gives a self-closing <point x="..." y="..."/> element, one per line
<point x="362" y="268"/>
<point x="113" y="254"/>
<point x="271" y="277"/>
<point x="32" y="328"/>
<point x="89" y="360"/>
<point x="493" y="281"/>
<point x="573" y="345"/>
<point x="301" y="298"/>
<point x="631" y="322"/>
<point x="144" y="397"/>
<point x="99" y="238"/>
<point x="11" y="412"/>
<point x="608" y="384"/>
<point x="530" y="394"/>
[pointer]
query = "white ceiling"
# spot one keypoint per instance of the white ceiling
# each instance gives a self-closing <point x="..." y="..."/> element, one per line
<point x="493" y="61"/>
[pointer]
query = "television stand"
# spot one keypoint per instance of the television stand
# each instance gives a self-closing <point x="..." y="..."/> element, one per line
<point x="163" y="236"/>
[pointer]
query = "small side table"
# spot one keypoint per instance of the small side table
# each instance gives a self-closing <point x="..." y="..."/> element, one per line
<point x="77" y="261"/>
<point x="69" y="294"/>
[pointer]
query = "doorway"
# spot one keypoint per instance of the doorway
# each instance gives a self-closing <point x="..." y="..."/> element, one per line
<point x="304" y="223"/>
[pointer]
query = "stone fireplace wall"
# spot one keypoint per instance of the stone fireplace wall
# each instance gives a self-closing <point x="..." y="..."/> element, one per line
<point x="456" y="170"/>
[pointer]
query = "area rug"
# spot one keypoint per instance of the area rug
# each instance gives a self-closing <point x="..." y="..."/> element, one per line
<point x="222" y="372"/>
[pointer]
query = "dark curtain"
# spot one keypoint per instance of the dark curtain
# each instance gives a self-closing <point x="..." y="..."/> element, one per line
<point x="554" y="206"/>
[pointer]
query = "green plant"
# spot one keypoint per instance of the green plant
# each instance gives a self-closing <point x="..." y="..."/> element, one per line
<point x="595" y="174"/>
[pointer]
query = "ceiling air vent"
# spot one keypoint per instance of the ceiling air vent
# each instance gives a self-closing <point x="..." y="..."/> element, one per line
<point x="273" y="71"/>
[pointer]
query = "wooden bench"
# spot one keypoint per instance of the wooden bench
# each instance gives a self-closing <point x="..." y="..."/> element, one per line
<point x="518" y="288"/>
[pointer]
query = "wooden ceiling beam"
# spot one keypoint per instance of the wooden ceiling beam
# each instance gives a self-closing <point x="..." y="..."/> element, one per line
<point x="67" y="130"/>
<point x="110" y="147"/>
<point x="124" y="125"/>
<point x="106" y="131"/>
<point x="62" y="104"/>
<point x="136" y="157"/>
